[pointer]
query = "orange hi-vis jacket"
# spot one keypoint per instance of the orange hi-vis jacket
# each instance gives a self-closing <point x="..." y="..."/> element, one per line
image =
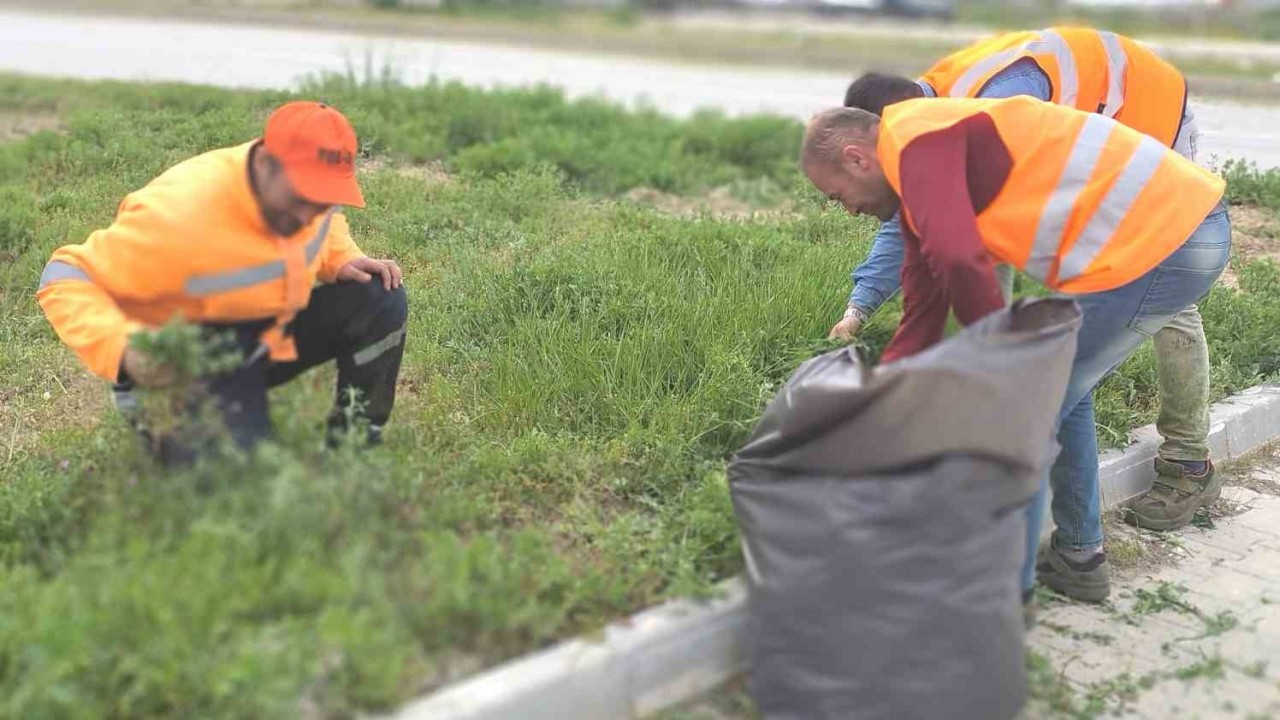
<point x="1088" y="205"/>
<point x="1090" y="70"/>
<point x="191" y="243"/>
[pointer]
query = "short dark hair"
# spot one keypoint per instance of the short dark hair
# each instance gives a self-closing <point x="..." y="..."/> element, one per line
<point x="873" y="91"/>
<point x="830" y="131"/>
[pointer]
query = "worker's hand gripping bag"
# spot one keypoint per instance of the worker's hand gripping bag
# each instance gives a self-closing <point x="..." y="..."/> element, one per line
<point x="883" y="525"/>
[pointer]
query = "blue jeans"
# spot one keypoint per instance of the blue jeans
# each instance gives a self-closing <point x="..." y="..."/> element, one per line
<point x="1115" y="323"/>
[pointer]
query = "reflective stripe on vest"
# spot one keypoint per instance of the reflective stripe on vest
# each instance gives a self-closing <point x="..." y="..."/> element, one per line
<point x="226" y="281"/>
<point x="1048" y="43"/>
<point x="1075" y="178"/>
<point x="1093" y="71"/>
<point x="1115" y="206"/>
<point x="58" y="270"/>
<point x="1117" y="61"/>
<point x="1052" y="43"/>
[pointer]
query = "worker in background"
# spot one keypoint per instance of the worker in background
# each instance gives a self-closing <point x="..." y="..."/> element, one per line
<point x="1087" y="206"/>
<point x="1096" y="72"/>
<point x="234" y="240"/>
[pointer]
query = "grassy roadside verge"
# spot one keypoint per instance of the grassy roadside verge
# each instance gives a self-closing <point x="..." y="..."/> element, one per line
<point x="579" y="368"/>
<point x="633" y="34"/>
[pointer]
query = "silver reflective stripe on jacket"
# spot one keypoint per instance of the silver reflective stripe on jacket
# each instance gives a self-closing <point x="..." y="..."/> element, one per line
<point x="1046" y="43"/>
<point x="226" y="281"/>
<point x="58" y="270"/>
<point x="214" y="283"/>
<point x="317" y="242"/>
<point x="1057" y="211"/>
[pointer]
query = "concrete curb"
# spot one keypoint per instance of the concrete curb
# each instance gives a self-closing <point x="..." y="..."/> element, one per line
<point x="1239" y="425"/>
<point x="646" y="663"/>
<point x="676" y="651"/>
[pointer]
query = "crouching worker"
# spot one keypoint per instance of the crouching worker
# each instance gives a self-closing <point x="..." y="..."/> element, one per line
<point x="1135" y="232"/>
<point x="234" y="240"/>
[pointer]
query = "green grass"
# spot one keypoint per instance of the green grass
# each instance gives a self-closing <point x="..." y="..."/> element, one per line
<point x="597" y="146"/>
<point x="577" y="373"/>
<point x="578" y="370"/>
<point x="1246" y="184"/>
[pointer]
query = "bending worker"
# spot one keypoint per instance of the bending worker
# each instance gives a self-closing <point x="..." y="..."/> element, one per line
<point x="234" y="240"/>
<point x="1116" y="77"/>
<point x="1087" y="206"/>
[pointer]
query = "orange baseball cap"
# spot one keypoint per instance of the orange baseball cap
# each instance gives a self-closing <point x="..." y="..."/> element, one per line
<point x="317" y="147"/>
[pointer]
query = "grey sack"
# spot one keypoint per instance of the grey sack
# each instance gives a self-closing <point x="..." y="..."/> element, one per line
<point x="882" y="525"/>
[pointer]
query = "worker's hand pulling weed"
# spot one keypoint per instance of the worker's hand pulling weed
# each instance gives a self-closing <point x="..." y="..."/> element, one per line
<point x="850" y="325"/>
<point x="146" y="370"/>
<point x="847" y="329"/>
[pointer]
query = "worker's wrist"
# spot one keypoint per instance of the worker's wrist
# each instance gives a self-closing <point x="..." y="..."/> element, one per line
<point x="867" y="298"/>
<point x="853" y="311"/>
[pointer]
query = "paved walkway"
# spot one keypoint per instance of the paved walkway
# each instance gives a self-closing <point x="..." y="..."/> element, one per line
<point x="1196" y="634"/>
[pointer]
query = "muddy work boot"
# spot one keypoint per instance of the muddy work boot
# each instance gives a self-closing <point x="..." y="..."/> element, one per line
<point x="1088" y="581"/>
<point x="1175" y="497"/>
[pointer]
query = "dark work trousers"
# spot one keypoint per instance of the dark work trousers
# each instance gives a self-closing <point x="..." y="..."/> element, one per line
<point x="360" y="325"/>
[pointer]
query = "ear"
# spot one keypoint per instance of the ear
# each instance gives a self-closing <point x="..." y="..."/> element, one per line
<point x="854" y="158"/>
<point x="261" y="164"/>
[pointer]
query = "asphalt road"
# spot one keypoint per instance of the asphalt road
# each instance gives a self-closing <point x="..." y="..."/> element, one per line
<point x="92" y="47"/>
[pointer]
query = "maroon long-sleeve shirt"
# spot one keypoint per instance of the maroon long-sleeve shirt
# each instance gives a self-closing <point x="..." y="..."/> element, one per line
<point x="948" y="177"/>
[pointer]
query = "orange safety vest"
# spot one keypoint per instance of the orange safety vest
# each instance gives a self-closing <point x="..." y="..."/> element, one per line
<point x="1090" y="70"/>
<point x="191" y="243"/>
<point x="1089" y="204"/>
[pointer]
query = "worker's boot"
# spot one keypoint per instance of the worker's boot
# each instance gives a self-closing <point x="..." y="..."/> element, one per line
<point x="1175" y="497"/>
<point x="1088" y="581"/>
